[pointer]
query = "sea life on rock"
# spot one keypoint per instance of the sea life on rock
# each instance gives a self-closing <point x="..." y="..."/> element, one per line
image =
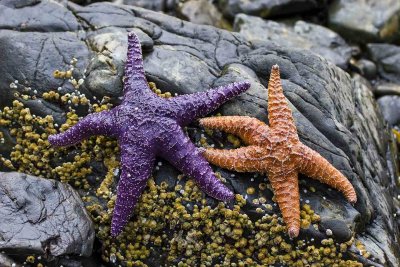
<point x="147" y="126"/>
<point x="277" y="151"/>
<point x="204" y="229"/>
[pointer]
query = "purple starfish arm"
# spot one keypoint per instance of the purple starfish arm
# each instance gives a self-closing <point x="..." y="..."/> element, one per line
<point x="192" y="106"/>
<point x="101" y="123"/>
<point x="179" y="150"/>
<point x="136" y="167"/>
<point x="135" y="83"/>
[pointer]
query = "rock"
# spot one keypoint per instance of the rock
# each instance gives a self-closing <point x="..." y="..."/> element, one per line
<point x="6" y="261"/>
<point x="202" y="12"/>
<point x="267" y="8"/>
<point x="83" y="2"/>
<point x="303" y="35"/>
<point x="360" y="79"/>
<point x="26" y="66"/>
<point x="42" y="217"/>
<point x="366" y="20"/>
<point x="14" y="16"/>
<point x="335" y="114"/>
<point x="390" y="106"/>
<point x="387" y="89"/>
<point x="365" y="67"/>
<point x="339" y="230"/>
<point x="156" y="5"/>
<point x="387" y="58"/>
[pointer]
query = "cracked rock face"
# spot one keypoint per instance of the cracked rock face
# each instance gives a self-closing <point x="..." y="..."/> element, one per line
<point x="366" y="20"/>
<point x="335" y="115"/>
<point x="390" y="106"/>
<point x="387" y="58"/>
<point x="202" y="12"/>
<point x="156" y="5"/>
<point x="266" y="8"/>
<point x="42" y="217"/>
<point x="302" y="35"/>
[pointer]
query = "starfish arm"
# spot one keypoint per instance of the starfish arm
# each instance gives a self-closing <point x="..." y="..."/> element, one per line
<point x="250" y="130"/>
<point x="286" y="191"/>
<point x="101" y="123"/>
<point x="191" y="106"/>
<point x="178" y="149"/>
<point x="279" y="114"/>
<point x="243" y="159"/>
<point x="312" y="164"/>
<point x="135" y="83"/>
<point x="136" y="167"/>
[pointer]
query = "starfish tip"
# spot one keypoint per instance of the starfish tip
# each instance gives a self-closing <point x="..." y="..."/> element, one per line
<point x="275" y="67"/>
<point x="52" y="139"/>
<point x="224" y="194"/>
<point x="229" y="196"/>
<point x="247" y="84"/>
<point x="293" y="231"/>
<point x="242" y="86"/>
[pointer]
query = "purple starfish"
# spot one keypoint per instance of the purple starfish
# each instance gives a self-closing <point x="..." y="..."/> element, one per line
<point x="147" y="126"/>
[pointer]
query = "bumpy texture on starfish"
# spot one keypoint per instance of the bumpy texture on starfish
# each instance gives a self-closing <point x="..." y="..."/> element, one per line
<point x="277" y="151"/>
<point x="147" y="125"/>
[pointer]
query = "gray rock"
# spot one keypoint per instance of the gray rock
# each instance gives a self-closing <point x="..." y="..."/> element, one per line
<point x="42" y="217"/>
<point x="387" y="89"/>
<point x="267" y="8"/>
<point x="390" y="106"/>
<point x="365" y="67"/>
<point x="339" y="230"/>
<point x="362" y="80"/>
<point x="30" y="58"/>
<point x="366" y="20"/>
<point x="302" y="35"/>
<point x="335" y="114"/>
<point x="202" y="12"/>
<point x="156" y="5"/>
<point x="14" y="16"/>
<point x="387" y="57"/>
<point x="6" y="261"/>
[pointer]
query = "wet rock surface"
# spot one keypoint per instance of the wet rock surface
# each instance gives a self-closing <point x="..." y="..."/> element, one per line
<point x="42" y="217"/>
<point x="27" y="15"/>
<point x="335" y="114"/>
<point x="364" y="67"/>
<point x="366" y="20"/>
<point x="390" y="105"/>
<point x="387" y="89"/>
<point x="7" y="261"/>
<point x="156" y="5"/>
<point x="202" y="12"/>
<point x="387" y="58"/>
<point x="302" y="35"/>
<point x="266" y="8"/>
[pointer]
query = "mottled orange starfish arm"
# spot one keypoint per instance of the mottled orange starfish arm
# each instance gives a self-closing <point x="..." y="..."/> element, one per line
<point x="279" y="114"/>
<point x="250" y="130"/>
<point x="243" y="159"/>
<point x="318" y="168"/>
<point x="286" y="190"/>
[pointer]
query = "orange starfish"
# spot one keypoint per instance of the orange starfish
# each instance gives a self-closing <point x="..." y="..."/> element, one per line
<point x="277" y="151"/>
